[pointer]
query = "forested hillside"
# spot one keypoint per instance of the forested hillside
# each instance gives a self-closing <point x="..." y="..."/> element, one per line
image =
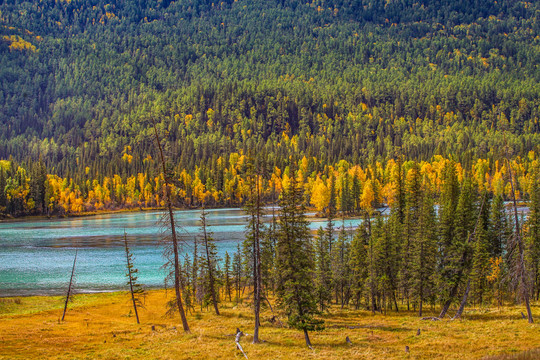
<point x="356" y="81"/>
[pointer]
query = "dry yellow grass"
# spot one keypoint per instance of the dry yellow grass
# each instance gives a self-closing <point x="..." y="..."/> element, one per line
<point x="99" y="326"/>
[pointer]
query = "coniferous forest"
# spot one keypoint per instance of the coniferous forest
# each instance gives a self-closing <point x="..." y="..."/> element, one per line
<point x="419" y="117"/>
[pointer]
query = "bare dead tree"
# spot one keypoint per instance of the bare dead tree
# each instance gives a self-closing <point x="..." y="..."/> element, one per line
<point x="174" y="239"/>
<point x="69" y="294"/>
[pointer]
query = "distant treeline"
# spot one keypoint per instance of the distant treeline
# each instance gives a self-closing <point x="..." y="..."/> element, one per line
<point x="29" y="188"/>
<point x="336" y="80"/>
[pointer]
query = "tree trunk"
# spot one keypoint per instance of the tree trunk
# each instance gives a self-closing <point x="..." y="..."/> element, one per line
<point x="68" y="296"/>
<point x="257" y="279"/>
<point x="306" y="336"/>
<point x="464" y="301"/>
<point x="173" y="236"/>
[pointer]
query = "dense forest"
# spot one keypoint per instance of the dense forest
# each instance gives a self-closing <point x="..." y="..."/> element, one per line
<point x="419" y="116"/>
<point x="343" y="85"/>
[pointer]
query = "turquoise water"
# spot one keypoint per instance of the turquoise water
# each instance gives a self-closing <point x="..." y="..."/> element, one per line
<point x="36" y="256"/>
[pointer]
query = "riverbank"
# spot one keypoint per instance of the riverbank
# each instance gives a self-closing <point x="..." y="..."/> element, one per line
<point x="103" y="326"/>
<point x="82" y="214"/>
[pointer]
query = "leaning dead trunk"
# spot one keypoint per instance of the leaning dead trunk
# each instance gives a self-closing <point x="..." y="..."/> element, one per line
<point x="70" y="287"/>
<point x="173" y="235"/>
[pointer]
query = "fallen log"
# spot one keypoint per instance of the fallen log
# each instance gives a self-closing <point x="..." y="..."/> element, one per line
<point x="239" y="335"/>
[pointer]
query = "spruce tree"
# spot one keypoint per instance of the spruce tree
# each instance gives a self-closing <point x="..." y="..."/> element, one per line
<point x="136" y="290"/>
<point x="424" y="254"/>
<point x="358" y="265"/>
<point x="533" y="231"/>
<point x="340" y="268"/>
<point x="227" y="279"/>
<point x="237" y="272"/>
<point x="499" y="228"/>
<point x="480" y="263"/>
<point x="449" y="199"/>
<point x="296" y="294"/>
<point x="209" y="264"/>
<point x="323" y="275"/>
<point x="413" y="210"/>
<point x="252" y="242"/>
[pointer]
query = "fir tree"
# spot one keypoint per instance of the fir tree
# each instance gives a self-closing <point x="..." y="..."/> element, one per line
<point x="481" y="268"/>
<point x="296" y="293"/>
<point x="254" y="233"/>
<point x="237" y="272"/>
<point x="424" y="254"/>
<point x="209" y="264"/>
<point x="227" y="279"/>
<point x="533" y="231"/>
<point x="358" y="265"/>
<point x="323" y="276"/>
<point x="499" y="228"/>
<point x="340" y="267"/>
<point x="136" y="290"/>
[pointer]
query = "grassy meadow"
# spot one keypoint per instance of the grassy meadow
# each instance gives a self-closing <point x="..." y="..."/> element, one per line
<point x="101" y="326"/>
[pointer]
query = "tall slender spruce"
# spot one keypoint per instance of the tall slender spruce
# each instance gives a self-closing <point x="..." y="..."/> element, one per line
<point x="295" y="261"/>
<point x="210" y="263"/>
<point x="253" y="240"/>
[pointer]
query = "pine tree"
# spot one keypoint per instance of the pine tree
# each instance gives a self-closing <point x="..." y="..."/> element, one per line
<point x="188" y="284"/>
<point x="227" y="279"/>
<point x="386" y="261"/>
<point x="136" y="290"/>
<point x="533" y="231"/>
<point x="499" y="228"/>
<point x="413" y="210"/>
<point x="424" y="254"/>
<point x="209" y="264"/>
<point x="358" y="264"/>
<point x="481" y="268"/>
<point x="323" y="276"/>
<point x="340" y="267"/>
<point x="373" y="271"/>
<point x="237" y="272"/>
<point x="296" y="293"/>
<point x="268" y="256"/>
<point x="254" y="233"/>
<point x="447" y="238"/>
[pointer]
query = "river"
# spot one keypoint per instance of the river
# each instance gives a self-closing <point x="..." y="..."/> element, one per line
<point x="36" y="256"/>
